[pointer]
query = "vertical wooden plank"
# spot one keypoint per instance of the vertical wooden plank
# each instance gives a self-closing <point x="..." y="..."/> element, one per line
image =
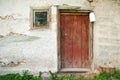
<point x="85" y="41"/>
<point x="76" y="42"/>
<point x="66" y="46"/>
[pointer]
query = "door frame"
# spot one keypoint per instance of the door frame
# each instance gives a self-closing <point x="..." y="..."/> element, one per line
<point x="81" y="12"/>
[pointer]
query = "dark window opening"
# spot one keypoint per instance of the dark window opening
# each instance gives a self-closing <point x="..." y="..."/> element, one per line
<point x="40" y="19"/>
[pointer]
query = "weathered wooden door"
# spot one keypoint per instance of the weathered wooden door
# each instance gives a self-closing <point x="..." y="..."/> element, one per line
<point x="74" y="40"/>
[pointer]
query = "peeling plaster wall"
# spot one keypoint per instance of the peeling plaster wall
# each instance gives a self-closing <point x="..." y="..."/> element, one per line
<point x="36" y="50"/>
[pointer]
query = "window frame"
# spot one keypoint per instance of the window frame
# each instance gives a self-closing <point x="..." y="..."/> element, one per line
<point x="33" y="18"/>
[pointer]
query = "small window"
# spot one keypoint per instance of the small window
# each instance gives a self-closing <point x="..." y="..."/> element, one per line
<point x="40" y="18"/>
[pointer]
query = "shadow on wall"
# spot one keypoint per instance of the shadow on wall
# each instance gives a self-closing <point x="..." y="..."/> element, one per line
<point x="15" y="37"/>
<point x="11" y="64"/>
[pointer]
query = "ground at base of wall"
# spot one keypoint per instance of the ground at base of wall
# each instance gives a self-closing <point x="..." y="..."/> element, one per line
<point x="104" y="75"/>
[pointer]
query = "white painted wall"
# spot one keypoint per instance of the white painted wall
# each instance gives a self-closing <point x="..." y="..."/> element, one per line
<point x="37" y="49"/>
<point x="107" y="33"/>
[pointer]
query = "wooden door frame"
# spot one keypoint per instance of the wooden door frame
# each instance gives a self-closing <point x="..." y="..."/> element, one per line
<point x="90" y="40"/>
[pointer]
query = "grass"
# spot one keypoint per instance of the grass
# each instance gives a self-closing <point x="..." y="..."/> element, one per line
<point x="108" y="76"/>
<point x="26" y="76"/>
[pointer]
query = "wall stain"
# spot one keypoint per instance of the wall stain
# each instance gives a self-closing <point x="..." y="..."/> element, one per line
<point x="1" y="36"/>
<point x="13" y="16"/>
<point x="12" y="64"/>
<point x="7" y="17"/>
<point x="16" y="37"/>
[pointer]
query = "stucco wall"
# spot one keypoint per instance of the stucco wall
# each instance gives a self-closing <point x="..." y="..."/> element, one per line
<point x="36" y="50"/>
<point x="107" y="33"/>
<point x="22" y="48"/>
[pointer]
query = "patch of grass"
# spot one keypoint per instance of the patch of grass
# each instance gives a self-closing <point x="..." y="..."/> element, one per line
<point x="116" y="74"/>
<point x="24" y="76"/>
<point x="54" y="76"/>
<point x="71" y="77"/>
<point x="108" y="76"/>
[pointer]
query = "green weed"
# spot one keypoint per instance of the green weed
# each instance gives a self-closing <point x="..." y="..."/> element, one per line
<point x="24" y="76"/>
<point x="54" y="76"/>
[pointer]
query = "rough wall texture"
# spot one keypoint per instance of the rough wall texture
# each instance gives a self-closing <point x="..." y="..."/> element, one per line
<point x="36" y="50"/>
<point x="107" y="33"/>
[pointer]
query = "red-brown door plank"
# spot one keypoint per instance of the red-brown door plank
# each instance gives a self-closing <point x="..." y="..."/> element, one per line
<point x="66" y="41"/>
<point x="85" y="40"/>
<point x="76" y="37"/>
